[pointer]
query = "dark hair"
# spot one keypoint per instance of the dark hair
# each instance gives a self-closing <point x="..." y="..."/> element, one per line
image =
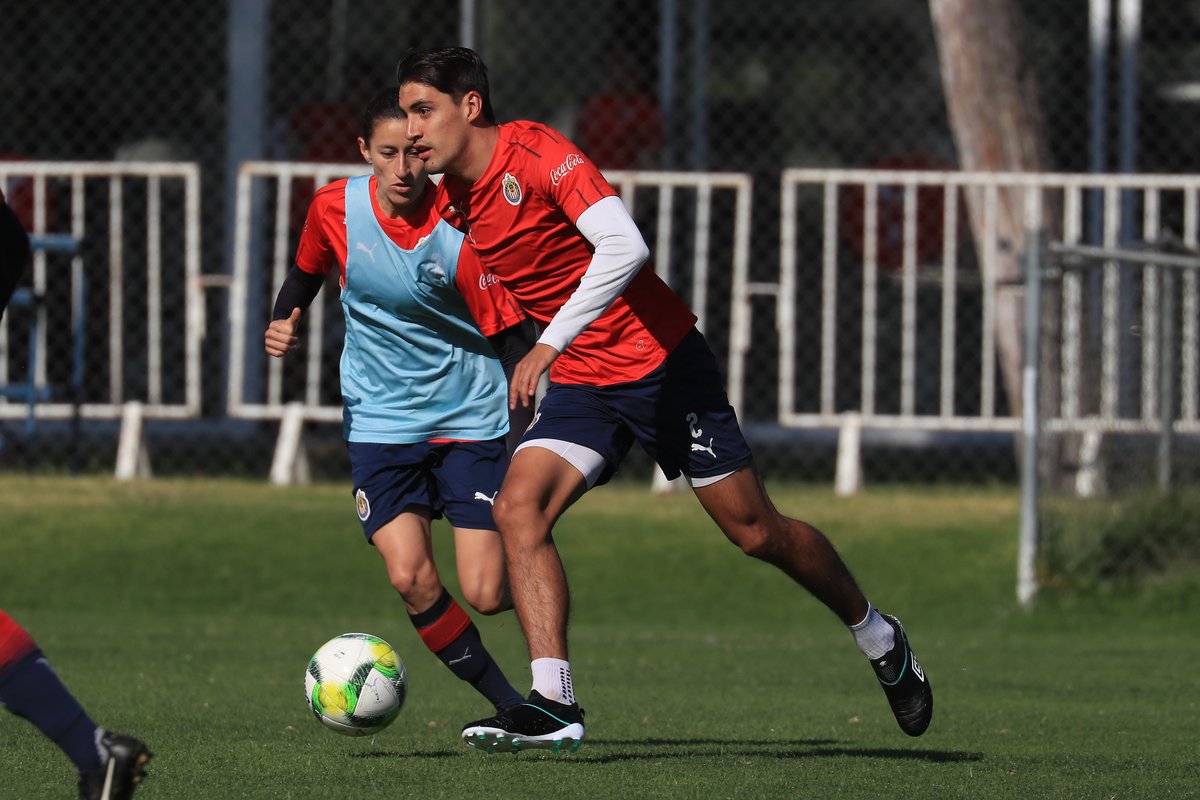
<point x="451" y="70"/>
<point x="384" y="105"/>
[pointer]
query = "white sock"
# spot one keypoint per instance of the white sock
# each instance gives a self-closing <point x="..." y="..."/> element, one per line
<point x="874" y="635"/>
<point x="552" y="680"/>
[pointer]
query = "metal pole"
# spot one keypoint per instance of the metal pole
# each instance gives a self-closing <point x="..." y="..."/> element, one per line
<point x="1030" y="421"/>
<point x="1129" y="26"/>
<point x="1099" y="18"/>
<point x="667" y="44"/>
<point x="1166" y="379"/>
<point x="467" y="23"/>
<point x="1129" y="32"/>
<point x="245" y="127"/>
<point x="700" y="85"/>
<point x="1100" y="24"/>
<point x="335" y="67"/>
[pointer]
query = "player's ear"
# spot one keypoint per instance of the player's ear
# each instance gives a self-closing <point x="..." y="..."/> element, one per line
<point x="362" y="148"/>
<point x="473" y="106"/>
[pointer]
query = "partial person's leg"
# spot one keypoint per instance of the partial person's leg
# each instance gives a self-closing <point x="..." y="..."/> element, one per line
<point x="694" y="429"/>
<point x="539" y="487"/>
<point x="541" y="484"/>
<point x="740" y="506"/>
<point x="30" y="688"/>
<point x="407" y="550"/>
<point x="479" y="556"/>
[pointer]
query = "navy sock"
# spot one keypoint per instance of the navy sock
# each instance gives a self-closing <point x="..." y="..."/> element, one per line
<point x="449" y="633"/>
<point x="30" y="689"/>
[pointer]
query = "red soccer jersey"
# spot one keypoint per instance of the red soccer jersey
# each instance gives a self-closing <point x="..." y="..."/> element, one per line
<point x="323" y="244"/>
<point x="520" y="218"/>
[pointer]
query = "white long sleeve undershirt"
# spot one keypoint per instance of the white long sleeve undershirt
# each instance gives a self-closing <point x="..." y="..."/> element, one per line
<point x="620" y="251"/>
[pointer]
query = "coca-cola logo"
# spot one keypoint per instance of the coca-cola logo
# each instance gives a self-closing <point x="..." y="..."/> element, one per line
<point x="487" y="279"/>
<point x="558" y="173"/>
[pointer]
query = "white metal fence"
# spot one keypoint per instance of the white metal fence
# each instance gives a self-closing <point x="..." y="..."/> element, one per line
<point x="897" y="239"/>
<point x="895" y="297"/>
<point x="136" y="226"/>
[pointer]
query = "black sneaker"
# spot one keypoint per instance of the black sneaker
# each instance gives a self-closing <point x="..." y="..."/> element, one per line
<point x="905" y="683"/>
<point x="122" y="770"/>
<point x="536" y="724"/>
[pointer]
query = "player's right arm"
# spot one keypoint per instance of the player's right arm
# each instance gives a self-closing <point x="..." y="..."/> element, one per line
<point x="315" y="256"/>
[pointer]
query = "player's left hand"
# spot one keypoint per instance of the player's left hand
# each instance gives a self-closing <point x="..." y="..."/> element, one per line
<point x="523" y="385"/>
<point x="280" y="336"/>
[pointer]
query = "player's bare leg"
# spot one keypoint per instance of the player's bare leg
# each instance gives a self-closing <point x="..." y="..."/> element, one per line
<point x="538" y="488"/>
<point x="443" y="625"/>
<point x="481" y="572"/>
<point x="739" y="504"/>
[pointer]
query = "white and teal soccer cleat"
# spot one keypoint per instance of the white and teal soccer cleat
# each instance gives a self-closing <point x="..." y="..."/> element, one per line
<point x="905" y="683"/>
<point x="536" y="724"/>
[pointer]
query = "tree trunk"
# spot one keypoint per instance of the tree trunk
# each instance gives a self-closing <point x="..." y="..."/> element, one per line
<point x="992" y="100"/>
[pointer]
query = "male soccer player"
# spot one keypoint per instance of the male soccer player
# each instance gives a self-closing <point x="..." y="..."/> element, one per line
<point x="626" y="364"/>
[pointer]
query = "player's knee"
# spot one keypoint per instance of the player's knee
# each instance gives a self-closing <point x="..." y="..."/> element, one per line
<point x="517" y="515"/>
<point x="757" y="538"/>
<point x="414" y="583"/>
<point x="487" y="600"/>
<point x="486" y="591"/>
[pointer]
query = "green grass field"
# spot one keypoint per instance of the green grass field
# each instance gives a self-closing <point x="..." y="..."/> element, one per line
<point x="185" y="612"/>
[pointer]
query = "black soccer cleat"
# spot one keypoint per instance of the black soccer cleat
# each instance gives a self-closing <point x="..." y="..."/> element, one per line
<point x="536" y="724"/>
<point x="905" y="683"/>
<point x="123" y="768"/>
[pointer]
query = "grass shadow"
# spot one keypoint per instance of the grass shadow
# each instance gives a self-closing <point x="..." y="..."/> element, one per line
<point x="398" y="754"/>
<point x="666" y="749"/>
<point x="659" y="749"/>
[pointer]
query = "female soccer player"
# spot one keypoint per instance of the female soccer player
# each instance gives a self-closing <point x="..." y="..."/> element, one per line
<point x="425" y="414"/>
<point x="626" y="364"/>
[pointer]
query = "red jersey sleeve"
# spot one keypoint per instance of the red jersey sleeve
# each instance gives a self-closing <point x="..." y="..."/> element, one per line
<point x="493" y="308"/>
<point x="323" y="240"/>
<point x="571" y="180"/>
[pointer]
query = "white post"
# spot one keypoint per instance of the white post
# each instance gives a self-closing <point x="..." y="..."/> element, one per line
<point x="848" y="480"/>
<point x="133" y="460"/>
<point x="290" y="464"/>
<point x="1030" y="420"/>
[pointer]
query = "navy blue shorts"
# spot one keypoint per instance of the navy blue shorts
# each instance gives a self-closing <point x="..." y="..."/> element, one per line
<point x="679" y="413"/>
<point x="458" y="480"/>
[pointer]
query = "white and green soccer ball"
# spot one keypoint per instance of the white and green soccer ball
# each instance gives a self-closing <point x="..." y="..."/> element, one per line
<point x="355" y="684"/>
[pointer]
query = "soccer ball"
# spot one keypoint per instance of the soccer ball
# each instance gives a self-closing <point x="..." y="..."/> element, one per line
<point x="355" y="684"/>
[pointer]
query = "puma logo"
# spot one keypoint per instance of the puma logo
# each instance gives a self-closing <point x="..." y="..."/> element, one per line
<point x="491" y="500"/>
<point x="466" y="654"/>
<point x="370" y="251"/>
<point x="700" y="448"/>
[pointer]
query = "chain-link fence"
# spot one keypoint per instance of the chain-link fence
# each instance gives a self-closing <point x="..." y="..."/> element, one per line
<point x="710" y="86"/>
<point x="1110" y="490"/>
